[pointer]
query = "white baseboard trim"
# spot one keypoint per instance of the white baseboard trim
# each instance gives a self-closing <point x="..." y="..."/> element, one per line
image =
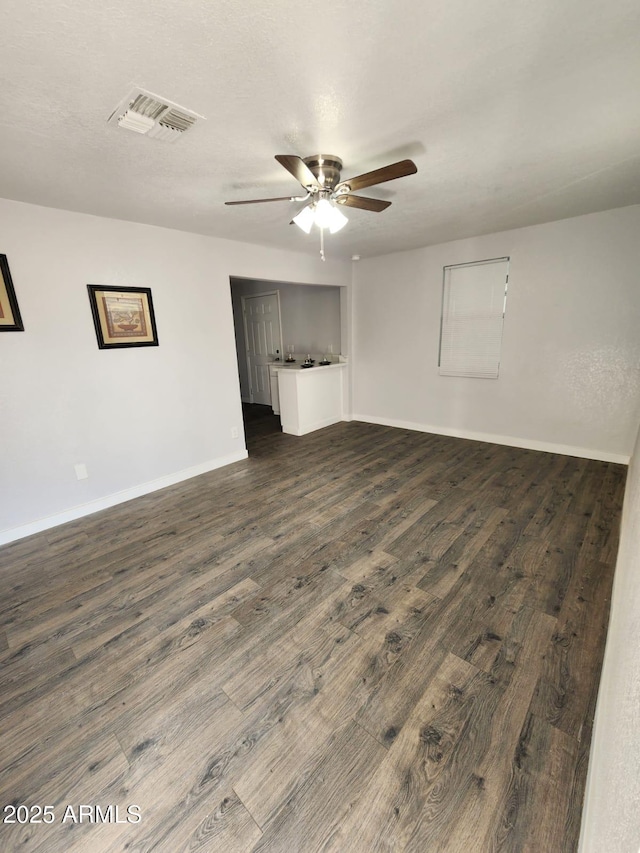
<point x="291" y="429"/>
<point x="509" y="440"/>
<point x="12" y="533"/>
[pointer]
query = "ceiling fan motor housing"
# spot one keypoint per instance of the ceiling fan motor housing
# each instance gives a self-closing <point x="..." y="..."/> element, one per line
<point x="326" y="169"/>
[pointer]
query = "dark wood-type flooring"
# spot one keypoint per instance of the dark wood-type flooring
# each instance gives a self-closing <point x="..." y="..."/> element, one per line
<point x="364" y="639"/>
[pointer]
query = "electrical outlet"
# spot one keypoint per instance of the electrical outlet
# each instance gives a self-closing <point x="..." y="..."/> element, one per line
<point x="234" y="432"/>
<point x="81" y="471"/>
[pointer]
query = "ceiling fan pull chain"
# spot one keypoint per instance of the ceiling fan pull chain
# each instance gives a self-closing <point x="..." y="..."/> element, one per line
<point x="322" y="244"/>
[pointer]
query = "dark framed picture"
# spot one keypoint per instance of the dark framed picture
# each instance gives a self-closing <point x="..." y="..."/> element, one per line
<point x="10" y="319"/>
<point x="123" y="316"/>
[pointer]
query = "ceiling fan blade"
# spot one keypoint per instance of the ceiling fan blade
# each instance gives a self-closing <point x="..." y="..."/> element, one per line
<point x="261" y="200"/>
<point x="374" y="204"/>
<point x="379" y="176"/>
<point x="299" y="169"/>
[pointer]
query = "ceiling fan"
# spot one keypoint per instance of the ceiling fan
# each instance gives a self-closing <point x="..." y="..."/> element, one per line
<point x="320" y="177"/>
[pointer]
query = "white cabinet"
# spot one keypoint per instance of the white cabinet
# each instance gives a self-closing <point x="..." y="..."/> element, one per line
<point x="273" y="381"/>
<point x="310" y="399"/>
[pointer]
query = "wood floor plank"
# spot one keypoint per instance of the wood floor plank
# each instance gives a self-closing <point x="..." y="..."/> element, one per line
<point x="335" y="687"/>
<point x="566" y="695"/>
<point x="28" y="667"/>
<point x="390" y="704"/>
<point x="94" y="760"/>
<point x="384" y="816"/>
<point x="211" y="604"/>
<point x="229" y="827"/>
<point x="86" y="691"/>
<point x="543" y="761"/>
<point x="295" y="651"/>
<point x="369" y="565"/>
<point x="601" y="537"/>
<point x="313" y="703"/>
<point x="472" y="786"/>
<point x="451" y="565"/>
<point x="432" y="533"/>
<point x="316" y="807"/>
<point x="244" y="745"/>
<point x="80" y="779"/>
<point x="194" y="783"/>
<point x="478" y="629"/>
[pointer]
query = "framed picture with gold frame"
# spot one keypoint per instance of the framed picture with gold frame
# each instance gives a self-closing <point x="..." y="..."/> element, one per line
<point x="123" y="316"/>
<point x="10" y="319"/>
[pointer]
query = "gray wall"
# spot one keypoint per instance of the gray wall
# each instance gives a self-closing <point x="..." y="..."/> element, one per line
<point x="569" y="379"/>
<point x="138" y="418"/>
<point x="611" y="819"/>
<point x="311" y="318"/>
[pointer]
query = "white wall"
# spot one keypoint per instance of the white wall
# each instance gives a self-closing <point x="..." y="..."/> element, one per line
<point x="138" y="418"/>
<point x="611" y="817"/>
<point x="569" y="377"/>
<point x="310" y="317"/>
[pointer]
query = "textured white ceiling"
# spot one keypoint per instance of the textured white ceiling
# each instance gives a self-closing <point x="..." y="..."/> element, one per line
<point x="515" y="111"/>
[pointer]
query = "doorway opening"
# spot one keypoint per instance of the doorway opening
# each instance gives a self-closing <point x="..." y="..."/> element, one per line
<point x="278" y="322"/>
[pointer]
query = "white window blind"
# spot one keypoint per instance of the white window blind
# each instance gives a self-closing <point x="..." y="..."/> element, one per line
<point x="473" y="304"/>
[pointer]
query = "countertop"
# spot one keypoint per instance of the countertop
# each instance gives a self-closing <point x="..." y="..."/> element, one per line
<point x="282" y="365"/>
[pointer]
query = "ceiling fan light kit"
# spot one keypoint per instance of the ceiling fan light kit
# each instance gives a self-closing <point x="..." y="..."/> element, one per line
<point x="320" y="177"/>
<point x="305" y="219"/>
<point x="322" y="213"/>
<point x="328" y="216"/>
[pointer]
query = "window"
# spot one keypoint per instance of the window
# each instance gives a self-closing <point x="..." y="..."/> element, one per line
<point x="474" y="298"/>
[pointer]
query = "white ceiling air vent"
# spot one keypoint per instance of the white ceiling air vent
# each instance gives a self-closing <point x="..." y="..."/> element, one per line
<point x="146" y="113"/>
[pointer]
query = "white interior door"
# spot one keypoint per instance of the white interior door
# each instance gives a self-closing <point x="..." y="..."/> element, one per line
<point x="264" y="341"/>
